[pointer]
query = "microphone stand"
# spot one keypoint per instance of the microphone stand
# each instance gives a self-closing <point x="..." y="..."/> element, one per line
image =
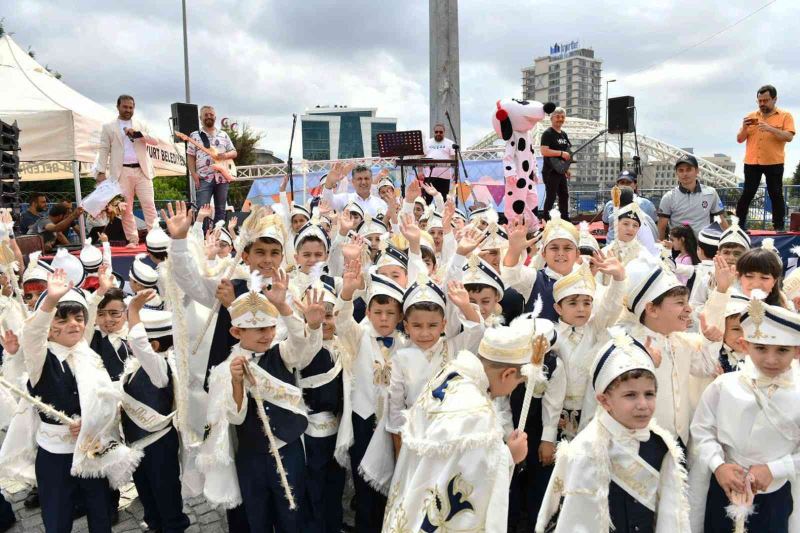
<point x="289" y="159"/>
<point x="459" y="159"/>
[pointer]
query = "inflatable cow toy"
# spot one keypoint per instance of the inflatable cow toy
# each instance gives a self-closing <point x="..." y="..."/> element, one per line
<point x="513" y="121"/>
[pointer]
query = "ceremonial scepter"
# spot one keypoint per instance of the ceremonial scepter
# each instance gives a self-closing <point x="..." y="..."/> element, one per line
<point x="289" y="169"/>
<point x="273" y="443"/>
<point x="540" y="347"/>
<point x="44" y="408"/>
<point x="244" y="235"/>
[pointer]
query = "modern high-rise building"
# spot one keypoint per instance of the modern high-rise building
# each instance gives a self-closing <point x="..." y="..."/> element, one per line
<point x="341" y="132"/>
<point x="569" y="77"/>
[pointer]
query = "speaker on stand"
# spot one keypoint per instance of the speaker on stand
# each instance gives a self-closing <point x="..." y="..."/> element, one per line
<point x="621" y="120"/>
<point x="185" y="119"/>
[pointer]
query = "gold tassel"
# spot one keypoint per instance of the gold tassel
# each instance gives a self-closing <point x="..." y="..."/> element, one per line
<point x="273" y="445"/>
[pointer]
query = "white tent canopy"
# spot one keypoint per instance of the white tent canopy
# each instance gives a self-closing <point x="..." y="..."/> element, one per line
<point x="60" y="128"/>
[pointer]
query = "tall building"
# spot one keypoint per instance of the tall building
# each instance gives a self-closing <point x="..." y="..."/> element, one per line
<point x="341" y="132"/>
<point x="569" y="77"/>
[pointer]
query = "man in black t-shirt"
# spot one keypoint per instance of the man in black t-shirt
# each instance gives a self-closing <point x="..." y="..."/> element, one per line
<point x="555" y="144"/>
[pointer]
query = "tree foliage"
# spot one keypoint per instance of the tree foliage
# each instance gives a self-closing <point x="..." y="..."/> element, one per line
<point x="244" y="139"/>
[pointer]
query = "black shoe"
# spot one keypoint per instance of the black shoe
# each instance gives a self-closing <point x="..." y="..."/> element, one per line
<point x="115" y="517"/>
<point x="32" y="499"/>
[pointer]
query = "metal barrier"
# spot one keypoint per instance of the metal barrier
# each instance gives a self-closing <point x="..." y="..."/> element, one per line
<point x="591" y="202"/>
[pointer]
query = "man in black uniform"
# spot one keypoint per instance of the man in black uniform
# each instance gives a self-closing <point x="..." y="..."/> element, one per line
<point x="555" y="144"/>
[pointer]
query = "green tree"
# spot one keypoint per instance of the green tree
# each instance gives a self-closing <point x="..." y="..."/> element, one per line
<point x="244" y="139"/>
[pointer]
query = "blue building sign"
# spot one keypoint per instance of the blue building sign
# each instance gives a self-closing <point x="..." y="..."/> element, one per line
<point x="561" y="50"/>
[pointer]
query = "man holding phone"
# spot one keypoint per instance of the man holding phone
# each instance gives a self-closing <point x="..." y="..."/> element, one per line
<point x="766" y="131"/>
<point x="123" y="153"/>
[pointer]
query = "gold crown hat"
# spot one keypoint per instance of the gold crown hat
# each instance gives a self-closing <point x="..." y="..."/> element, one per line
<point x="488" y="214"/>
<point x="632" y="211"/>
<point x="382" y="285"/>
<point x="737" y="304"/>
<point x="769" y="324"/>
<point x="252" y="309"/>
<point x="260" y="224"/>
<point x="558" y="228"/>
<point x="735" y="235"/>
<point x="391" y="256"/>
<point x="385" y="182"/>
<point x="621" y="354"/>
<point x="579" y="281"/>
<point x="426" y="241"/>
<point x="435" y="221"/>
<point x="648" y="278"/>
<point x="513" y="344"/>
<point x="424" y="290"/>
<point x="791" y="283"/>
<point x="142" y="273"/>
<point x="371" y="226"/>
<point x="312" y="229"/>
<point x="157" y="239"/>
<point x="496" y="238"/>
<point x="299" y="209"/>
<point x="587" y="240"/>
<point x="91" y="257"/>
<point x="353" y="207"/>
<point x="479" y="272"/>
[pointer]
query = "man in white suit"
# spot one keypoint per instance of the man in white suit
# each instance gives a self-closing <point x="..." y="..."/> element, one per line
<point x="125" y="141"/>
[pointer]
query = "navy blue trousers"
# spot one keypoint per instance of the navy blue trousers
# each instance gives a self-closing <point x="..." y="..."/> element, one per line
<point x="158" y="483"/>
<point x="324" y="486"/>
<point x="58" y="493"/>
<point x="370" y="504"/>
<point x="771" y="510"/>
<point x="7" y="517"/>
<point x="264" y="500"/>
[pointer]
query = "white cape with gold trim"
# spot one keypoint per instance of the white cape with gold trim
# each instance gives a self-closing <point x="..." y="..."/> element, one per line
<point x="454" y="469"/>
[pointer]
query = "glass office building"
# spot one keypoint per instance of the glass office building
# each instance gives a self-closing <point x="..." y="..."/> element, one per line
<point x="340" y="132"/>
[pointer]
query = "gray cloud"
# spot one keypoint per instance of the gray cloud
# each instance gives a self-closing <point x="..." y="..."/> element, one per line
<point x="260" y="61"/>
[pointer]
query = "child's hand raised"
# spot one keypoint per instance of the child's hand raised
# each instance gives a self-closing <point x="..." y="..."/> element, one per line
<point x="458" y="294"/>
<point x="178" y="220"/>
<point x="410" y="230"/>
<point x="10" y="342"/>
<point x="352" y="279"/>
<point x="471" y="239"/>
<point x="140" y="298"/>
<point x="724" y="274"/>
<point x="225" y="293"/>
<point x="313" y="309"/>
<point x="57" y="286"/>
<point x="710" y="331"/>
<point x="276" y="294"/>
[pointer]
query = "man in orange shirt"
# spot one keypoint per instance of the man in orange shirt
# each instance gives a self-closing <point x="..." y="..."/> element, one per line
<point x="766" y="132"/>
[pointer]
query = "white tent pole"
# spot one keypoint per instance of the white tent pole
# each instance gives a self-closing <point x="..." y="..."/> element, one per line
<point x="76" y="176"/>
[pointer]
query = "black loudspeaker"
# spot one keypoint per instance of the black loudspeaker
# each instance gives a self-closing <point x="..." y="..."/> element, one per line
<point x="621" y="115"/>
<point x="185" y="118"/>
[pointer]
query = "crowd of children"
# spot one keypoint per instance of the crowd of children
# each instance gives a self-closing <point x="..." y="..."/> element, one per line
<point x="461" y="374"/>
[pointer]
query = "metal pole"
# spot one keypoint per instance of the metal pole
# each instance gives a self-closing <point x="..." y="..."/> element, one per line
<point x="605" y="136"/>
<point x="189" y="180"/>
<point x="76" y="177"/>
<point x="186" y="54"/>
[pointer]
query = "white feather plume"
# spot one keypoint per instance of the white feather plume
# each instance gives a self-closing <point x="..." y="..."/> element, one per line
<point x="795" y="250"/>
<point x="734" y="220"/>
<point x="768" y="243"/>
<point x="492" y="216"/>
<point x="718" y="219"/>
<point x="555" y="215"/>
<point x="256" y="281"/>
<point x="758" y="294"/>
<point x="140" y="256"/>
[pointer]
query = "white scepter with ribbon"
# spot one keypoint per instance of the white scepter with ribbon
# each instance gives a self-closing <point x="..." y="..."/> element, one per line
<point x="255" y="392"/>
<point x="45" y="408"/>
<point x="531" y="372"/>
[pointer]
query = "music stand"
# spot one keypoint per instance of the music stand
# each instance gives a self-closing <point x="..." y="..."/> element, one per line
<point x="400" y="144"/>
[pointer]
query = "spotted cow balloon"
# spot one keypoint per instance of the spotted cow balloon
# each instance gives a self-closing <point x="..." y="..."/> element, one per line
<point x="513" y="121"/>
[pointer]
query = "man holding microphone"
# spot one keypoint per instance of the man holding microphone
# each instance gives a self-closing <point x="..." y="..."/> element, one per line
<point x="766" y="131"/>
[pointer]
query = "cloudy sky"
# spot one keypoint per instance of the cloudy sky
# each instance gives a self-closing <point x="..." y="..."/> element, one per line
<point x="261" y="61"/>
